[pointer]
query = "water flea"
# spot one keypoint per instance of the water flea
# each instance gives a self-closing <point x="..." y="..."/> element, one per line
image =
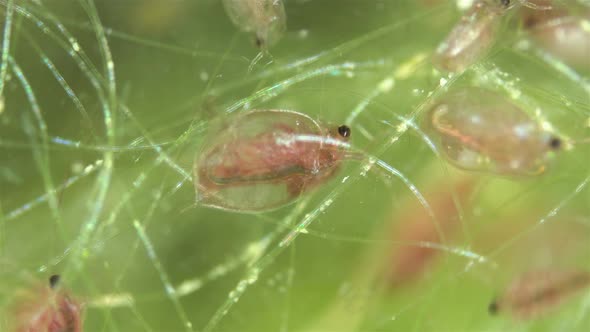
<point x="535" y="293"/>
<point x="266" y="19"/>
<point x="471" y="37"/>
<point x="480" y="130"/>
<point x="47" y="308"/>
<point x="560" y="33"/>
<point x="264" y="159"/>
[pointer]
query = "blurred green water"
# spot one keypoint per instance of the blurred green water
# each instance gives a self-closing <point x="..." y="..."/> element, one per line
<point x="180" y="64"/>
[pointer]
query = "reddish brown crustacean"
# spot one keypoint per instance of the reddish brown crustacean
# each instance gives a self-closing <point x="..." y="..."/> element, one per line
<point x="537" y="292"/>
<point x="264" y="159"/>
<point x="480" y="130"/>
<point x="560" y="32"/>
<point x="417" y="234"/>
<point x="48" y="309"/>
<point x="472" y="37"/>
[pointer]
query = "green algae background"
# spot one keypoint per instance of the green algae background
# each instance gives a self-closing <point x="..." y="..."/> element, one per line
<point x="105" y="104"/>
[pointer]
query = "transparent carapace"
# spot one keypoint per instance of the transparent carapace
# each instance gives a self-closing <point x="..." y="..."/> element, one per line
<point x="480" y="130"/>
<point x="472" y="36"/>
<point x="265" y="18"/>
<point x="561" y="31"/>
<point x="264" y="159"/>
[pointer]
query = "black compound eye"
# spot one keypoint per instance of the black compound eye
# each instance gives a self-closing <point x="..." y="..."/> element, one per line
<point x="555" y="143"/>
<point x="259" y="42"/>
<point x="493" y="308"/>
<point x="505" y="3"/>
<point x="54" y="280"/>
<point x="344" y="131"/>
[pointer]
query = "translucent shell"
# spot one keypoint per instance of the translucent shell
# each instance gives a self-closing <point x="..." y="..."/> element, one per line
<point x="478" y="130"/>
<point x="472" y="37"/>
<point x="563" y="35"/>
<point x="48" y="309"/>
<point x="265" y="18"/>
<point x="538" y="292"/>
<point x="265" y="159"/>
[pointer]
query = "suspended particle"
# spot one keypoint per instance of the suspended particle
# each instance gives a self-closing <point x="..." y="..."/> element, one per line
<point x="536" y="293"/>
<point x="479" y="130"/>
<point x="48" y="309"/>
<point x="418" y="236"/>
<point x="265" y="18"/>
<point x="264" y="159"/>
<point x="472" y="37"/>
<point x="560" y="33"/>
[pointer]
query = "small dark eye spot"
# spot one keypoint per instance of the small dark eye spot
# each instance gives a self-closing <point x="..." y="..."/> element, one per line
<point x="54" y="280"/>
<point x="493" y="308"/>
<point x="555" y="143"/>
<point x="259" y="41"/>
<point x="344" y="131"/>
<point x="505" y="3"/>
